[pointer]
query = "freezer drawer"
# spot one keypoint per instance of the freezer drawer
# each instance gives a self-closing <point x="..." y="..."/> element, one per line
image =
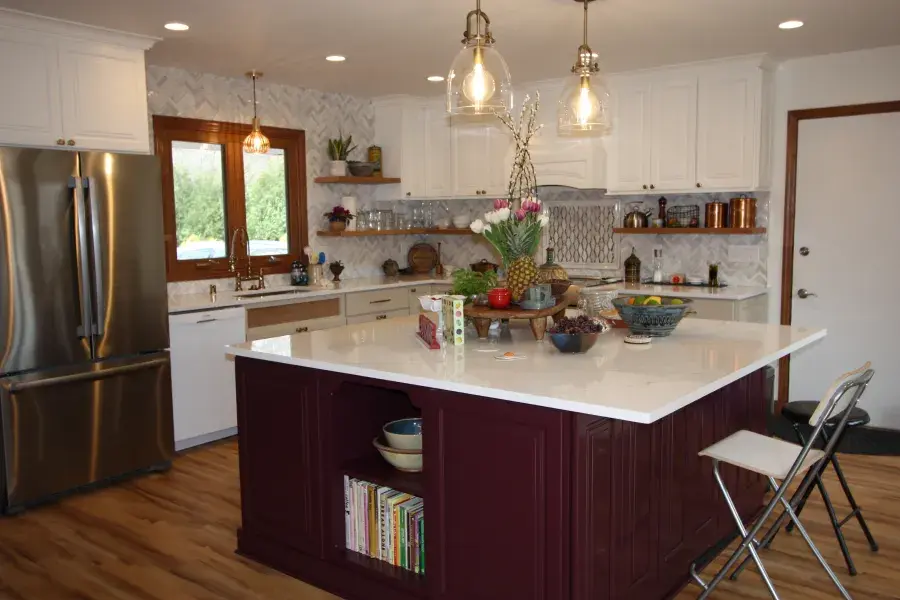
<point x="68" y="428"/>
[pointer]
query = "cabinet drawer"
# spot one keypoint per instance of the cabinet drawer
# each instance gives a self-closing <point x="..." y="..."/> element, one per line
<point x="719" y="310"/>
<point x="380" y="301"/>
<point x="441" y="288"/>
<point x="413" y="294"/>
<point x="291" y="313"/>
<point x="379" y="316"/>
<point x="279" y="329"/>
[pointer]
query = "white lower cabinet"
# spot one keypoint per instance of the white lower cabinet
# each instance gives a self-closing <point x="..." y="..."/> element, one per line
<point x="749" y="310"/>
<point x="379" y="316"/>
<point x="203" y="385"/>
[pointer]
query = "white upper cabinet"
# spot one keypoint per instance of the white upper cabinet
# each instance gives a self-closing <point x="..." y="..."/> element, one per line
<point x="72" y="86"/>
<point x="481" y="159"/>
<point x="104" y="96"/>
<point x="400" y="131"/>
<point x="673" y="151"/>
<point x="730" y="130"/>
<point x="690" y="129"/>
<point x="500" y="150"/>
<point x="631" y="139"/>
<point x="29" y="99"/>
<point x="438" y="149"/>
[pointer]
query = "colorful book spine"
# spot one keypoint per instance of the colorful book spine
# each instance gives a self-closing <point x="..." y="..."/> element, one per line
<point x="348" y="534"/>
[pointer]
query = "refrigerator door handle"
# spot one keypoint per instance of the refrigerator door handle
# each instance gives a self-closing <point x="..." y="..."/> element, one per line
<point x="82" y="255"/>
<point x="14" y="387"/>
<point x="96" y="242"/>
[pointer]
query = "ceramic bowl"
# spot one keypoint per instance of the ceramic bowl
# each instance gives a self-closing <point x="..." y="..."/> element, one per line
<point x="409" y="461"/>
<point x="405" y="434"/>
<point x="461" y="222"/>
<point x="361" y="169"/>
<point x="499" y="298"/>
<point x="578" y="343"/>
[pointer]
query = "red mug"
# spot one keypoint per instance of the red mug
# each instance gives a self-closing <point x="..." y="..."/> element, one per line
<point x="499" y="298"/>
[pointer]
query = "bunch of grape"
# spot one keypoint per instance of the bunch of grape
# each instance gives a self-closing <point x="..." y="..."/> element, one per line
<point x="576" y="325"/>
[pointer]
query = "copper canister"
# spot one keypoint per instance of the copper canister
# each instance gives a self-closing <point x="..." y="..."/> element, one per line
<point x="374" y="156"/>
<point x="716" y="215"/>
<point x="743" y="212"/>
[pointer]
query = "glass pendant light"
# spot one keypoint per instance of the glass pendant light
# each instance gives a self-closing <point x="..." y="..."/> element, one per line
<point x="479" y="82"/>
<point x="256" y="142"/>
<point x="584" y="103"/>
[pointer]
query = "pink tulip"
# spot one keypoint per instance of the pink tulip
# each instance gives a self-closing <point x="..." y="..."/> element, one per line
<point x="520" y="214"/>
<point x="500" y="203"/>
<point x="531" y="206"/>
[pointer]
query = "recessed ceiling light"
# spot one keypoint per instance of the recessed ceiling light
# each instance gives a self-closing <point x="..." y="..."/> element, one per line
<point x="790" y="25"/>
<point x="335" y="58"/>
<point x="435" y="78"/>
<point x="176" y="26"/>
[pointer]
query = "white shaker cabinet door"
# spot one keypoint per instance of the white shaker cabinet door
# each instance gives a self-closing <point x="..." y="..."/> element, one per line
<point x="104" y="97"/>
<point x="470" y="153"/>
<point x="500" y="156"/>
<point x="438" y="152"/>
<point x="29" y="97"/>
<point x="203" y="386"/>
<point x="673" y="165"/>
<point x="727" y="145"/>
<point x="629" y="155"/>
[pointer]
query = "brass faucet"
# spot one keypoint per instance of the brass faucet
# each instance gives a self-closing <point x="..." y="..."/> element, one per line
<point x="232" y="264"/>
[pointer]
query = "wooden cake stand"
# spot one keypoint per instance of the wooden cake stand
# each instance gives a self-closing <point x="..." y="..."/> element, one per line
<point x="483" y="315"/>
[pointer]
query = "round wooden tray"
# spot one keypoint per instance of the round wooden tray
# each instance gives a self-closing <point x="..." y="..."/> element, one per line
<point x="422" y="258"/>
<point x="483" y="315"/>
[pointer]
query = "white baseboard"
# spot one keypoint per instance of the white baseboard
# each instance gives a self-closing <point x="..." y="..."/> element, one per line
<point x="205" y="439"/>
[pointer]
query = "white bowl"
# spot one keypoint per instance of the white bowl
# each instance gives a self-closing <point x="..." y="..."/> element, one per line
<point x="432" y="303"/>
<point x="461" y="222"/>
<point x="409" y="461"/>
<point x="442" y="223"/>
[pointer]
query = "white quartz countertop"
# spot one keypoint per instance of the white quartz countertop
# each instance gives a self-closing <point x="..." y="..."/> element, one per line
<point x="736" y="292"/>
<point x="633" y="383"/>
<point x="226" y="299"/>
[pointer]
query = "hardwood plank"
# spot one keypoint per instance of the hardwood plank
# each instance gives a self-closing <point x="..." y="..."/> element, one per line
<point x="172" y="535"/>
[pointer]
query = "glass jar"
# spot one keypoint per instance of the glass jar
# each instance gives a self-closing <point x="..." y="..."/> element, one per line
<point x="593" y="301"/>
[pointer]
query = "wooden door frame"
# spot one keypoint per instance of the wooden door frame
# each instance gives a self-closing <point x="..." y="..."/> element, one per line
<point x="790" y="211"/>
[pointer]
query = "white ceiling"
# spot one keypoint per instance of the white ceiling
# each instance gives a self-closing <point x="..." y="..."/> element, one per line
<point x="392" y="45"/>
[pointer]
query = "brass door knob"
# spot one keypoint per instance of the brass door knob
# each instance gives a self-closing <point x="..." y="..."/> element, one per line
<point x="71" y="142"/>
<point x="645" y="186"/>
<point x="302" y="329"/>
<point x="60" y="142"/>
<point x="381" y="317"/>
<point x="408" y="194"/>
<point x="699" y="184"/>
<point x="652" y="187"/>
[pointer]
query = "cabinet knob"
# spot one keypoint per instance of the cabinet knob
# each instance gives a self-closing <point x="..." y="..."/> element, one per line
<point x="60" y="142"/>
<point x="408" y="194"/>
<point x="652" y="187"/>
<point x="71" y="142"/>
<point x="412" y="290"/>
<point x="381" y="317"/>
<point x="699" y="185"/>
<point x="302" y="329"/>
<point x="645" y="186"/>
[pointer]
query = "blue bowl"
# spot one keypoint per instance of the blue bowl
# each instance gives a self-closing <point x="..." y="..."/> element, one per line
<point x="654" y="320"/>
<point x="577" y="343"/>
<point x="405" y="434"/>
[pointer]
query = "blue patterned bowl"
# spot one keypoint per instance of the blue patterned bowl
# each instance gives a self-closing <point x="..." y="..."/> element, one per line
<point x="655" y="320"/>
<point x="405" y="434"/>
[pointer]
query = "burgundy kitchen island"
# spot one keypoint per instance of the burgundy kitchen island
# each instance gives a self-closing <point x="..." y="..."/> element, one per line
<point x="555" y="477"/>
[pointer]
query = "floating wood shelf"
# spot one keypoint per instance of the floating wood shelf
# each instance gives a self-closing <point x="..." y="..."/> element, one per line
<point x="418" y="231"/>
<point x="690" y="231"/>
<point x="359" y="180"/>
<point x="375" y="470"/>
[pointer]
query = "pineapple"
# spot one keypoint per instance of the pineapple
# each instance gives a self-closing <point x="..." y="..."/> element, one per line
<point x="520" y="275"/>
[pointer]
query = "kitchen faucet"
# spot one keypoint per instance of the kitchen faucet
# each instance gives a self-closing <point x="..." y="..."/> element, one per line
<point x="232" y="264"/>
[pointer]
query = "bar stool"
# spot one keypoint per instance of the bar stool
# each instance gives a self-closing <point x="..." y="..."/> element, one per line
<point x="779" y="460"/>
<point x="801" y="412"/>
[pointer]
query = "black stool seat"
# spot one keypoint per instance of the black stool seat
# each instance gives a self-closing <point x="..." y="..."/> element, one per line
<point x="801" y="411"/>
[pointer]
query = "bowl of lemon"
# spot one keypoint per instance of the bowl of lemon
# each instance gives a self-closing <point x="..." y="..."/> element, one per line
<point x="654" y="316"/>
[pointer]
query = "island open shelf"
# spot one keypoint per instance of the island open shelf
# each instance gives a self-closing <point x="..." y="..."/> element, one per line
<point x="375" y="470"/>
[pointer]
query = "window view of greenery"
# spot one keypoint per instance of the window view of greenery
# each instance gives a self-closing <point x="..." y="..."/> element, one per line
<point x="199" y="200"/>
<point x="266" y="202"/>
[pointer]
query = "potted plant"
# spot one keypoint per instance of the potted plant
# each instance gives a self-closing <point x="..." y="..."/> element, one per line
<point x="338" y="150"/>
<point x="338" y="218"/>
<point x="336" y="267"/>
<point x="474" y="286"/>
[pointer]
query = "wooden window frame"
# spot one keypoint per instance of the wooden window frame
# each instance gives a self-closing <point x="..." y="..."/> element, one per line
<point x="231" y="137"/>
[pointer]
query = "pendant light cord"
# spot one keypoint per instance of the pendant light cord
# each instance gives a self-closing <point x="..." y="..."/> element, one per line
<point x="254" y="94"/>
<point x="585" y="22"/>
<point x="478" y="18"/>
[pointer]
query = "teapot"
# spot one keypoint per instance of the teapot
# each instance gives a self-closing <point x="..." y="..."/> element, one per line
<point x="637" y="218"/>
<point x="391" y="268"/>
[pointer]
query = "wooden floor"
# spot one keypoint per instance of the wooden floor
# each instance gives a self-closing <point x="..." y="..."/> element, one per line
<point x="172" y="536"/>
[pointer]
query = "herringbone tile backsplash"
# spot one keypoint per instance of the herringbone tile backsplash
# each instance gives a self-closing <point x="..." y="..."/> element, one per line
<point x="179" y="93"/>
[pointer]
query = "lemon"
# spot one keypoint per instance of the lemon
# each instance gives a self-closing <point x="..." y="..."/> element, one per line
<point x="653" y="300"/>
<point x="677" y="301"/>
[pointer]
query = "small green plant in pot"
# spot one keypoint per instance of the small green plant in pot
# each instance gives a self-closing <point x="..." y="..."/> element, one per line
<point x="474" y="286"/>
<point x="338" y="151"/>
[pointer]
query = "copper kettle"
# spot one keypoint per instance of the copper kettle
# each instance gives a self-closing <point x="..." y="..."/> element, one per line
<point x="637" y="218"/>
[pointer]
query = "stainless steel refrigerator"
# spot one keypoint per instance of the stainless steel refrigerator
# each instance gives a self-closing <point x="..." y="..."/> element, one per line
<point x="85" y="384"/>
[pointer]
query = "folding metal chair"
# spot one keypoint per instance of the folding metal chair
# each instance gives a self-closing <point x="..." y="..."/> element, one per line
<point x="779" y="460"/>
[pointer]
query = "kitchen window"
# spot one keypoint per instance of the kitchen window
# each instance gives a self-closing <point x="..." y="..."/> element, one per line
<point x="211" y="187"/>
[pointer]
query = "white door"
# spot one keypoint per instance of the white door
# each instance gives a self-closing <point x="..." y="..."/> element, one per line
<point x="726" y="143"/>
<point x="104" y="97"/>
<point x="470" y="154"/>
<point x="438" y="181"/>
<point x="629" y="155"/>
<point x="673" y="164"/>
<point x="847" y="216"/>
<point x="204" y="404"/>
<point x="29" y="96"/>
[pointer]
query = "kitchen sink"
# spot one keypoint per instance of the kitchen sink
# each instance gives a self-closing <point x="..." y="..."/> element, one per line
<point x="263" y="293"/>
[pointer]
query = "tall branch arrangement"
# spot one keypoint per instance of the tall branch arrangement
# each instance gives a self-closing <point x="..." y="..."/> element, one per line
<point x="522" y="181"/>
